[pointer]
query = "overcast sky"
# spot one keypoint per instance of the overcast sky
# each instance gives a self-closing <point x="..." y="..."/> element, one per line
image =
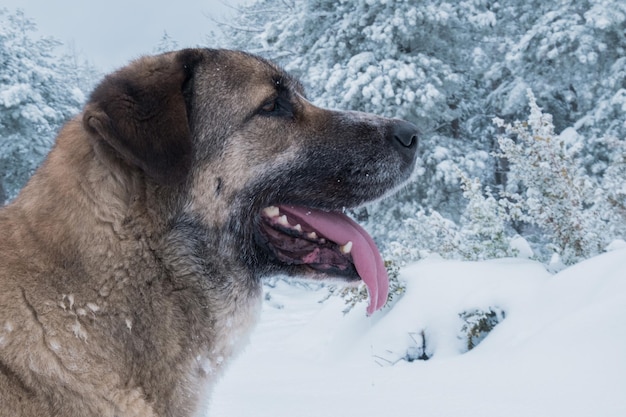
<point x="111" y="32"/>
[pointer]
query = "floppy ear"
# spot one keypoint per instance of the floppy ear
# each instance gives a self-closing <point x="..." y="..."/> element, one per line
<point x="140" y="112"/>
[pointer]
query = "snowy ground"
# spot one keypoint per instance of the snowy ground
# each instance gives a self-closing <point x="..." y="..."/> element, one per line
<point x="559" y="351"/>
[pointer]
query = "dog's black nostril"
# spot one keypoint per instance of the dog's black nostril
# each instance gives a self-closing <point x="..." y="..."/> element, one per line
<point x="405" y="134"/>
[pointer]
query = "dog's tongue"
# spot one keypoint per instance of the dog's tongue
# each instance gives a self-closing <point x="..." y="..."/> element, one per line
<point x="340" y="229"/>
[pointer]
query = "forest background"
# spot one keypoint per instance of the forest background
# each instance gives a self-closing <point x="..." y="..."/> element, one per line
<point x="521" y="107"/>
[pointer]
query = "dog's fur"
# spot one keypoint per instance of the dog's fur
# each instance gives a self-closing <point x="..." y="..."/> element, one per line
<point x="129" y="267"/>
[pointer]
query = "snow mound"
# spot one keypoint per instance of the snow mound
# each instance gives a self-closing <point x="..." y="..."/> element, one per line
<point x="557" y="348"/>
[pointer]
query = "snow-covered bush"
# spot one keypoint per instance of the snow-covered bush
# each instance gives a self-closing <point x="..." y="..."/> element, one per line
<point x="483" y="231"/>
<point x="38" y="93"/>
<point x="571" y="54"/>
<point x="477" y="324"/>
<point x="359" y="294"/>
<point x="610" y="197"/>
<point x="548" y="197"/>
<point x="421" y="235"/>
<point x="547" y="187"/>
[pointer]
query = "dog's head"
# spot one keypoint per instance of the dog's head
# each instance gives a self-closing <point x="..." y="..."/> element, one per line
<point x="255" y="164"/>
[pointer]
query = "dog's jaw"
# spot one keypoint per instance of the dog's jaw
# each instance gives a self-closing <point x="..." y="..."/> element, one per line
<point x="330" y="243"/>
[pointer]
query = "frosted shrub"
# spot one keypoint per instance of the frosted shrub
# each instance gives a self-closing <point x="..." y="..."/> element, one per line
<point x="547" y="191"/>
<point x="424" y="233"/>
<point x="359" y="294"/>
<point x="611" y="196"/>
<point x="477" y="324"/>
<point x="483" y="233"/>
<point x="547" y="188"/>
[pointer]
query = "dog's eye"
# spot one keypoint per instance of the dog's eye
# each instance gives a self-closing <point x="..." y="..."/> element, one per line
<point x="277" y="107"/>
<point x="269" y="107"/>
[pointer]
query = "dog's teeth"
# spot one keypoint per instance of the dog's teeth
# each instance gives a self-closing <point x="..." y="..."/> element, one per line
<point x="312" y="235"/>
<point x="282" y="220"/>
<point x="297" y="228"/>
<point x="271" y="211"/>
<point x="347" y="248"/>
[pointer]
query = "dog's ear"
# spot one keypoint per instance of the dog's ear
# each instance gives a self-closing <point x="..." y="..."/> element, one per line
<point x="139" y="114"/>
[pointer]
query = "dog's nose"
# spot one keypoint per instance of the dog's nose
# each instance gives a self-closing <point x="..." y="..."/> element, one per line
<point x="405" y="136"/>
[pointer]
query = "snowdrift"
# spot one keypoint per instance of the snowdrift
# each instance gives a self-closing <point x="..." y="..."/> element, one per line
<point x="558" y="347"/>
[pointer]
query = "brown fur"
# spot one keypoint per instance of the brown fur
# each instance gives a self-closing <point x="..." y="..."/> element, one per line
<point x="129" y="268"/>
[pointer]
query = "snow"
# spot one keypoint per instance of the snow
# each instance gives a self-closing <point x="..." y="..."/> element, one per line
<point x="522" y="247"/>
<point x="559" y="351"/>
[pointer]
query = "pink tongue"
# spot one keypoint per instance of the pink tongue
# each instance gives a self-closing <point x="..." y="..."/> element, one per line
<point x="341" y="229"/>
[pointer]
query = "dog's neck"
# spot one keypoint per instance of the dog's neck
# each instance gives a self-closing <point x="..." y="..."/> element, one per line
<point x="79" y="210"/>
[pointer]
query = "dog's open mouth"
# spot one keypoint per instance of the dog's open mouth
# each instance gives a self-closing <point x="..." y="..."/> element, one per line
<point x="328" y="242"/>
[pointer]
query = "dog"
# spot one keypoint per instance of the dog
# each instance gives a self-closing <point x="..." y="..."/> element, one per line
<point x="131" y="262"/>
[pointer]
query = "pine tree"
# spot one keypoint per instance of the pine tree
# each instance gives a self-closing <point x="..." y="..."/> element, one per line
<point x="571" y="53"/>
<point x="38" y="93"/>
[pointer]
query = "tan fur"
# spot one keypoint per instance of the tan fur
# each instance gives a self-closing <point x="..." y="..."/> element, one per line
<point x="129" y="274"/>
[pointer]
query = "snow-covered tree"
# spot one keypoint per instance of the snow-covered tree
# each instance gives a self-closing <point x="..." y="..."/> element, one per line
<point x="571" y="53"/>
<point x="483" y="232"/>
<point x="548" y="187"/>
<point x="565" y="213"/>
<point x="38" y="92"/>
<point x="611" y="195"/>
